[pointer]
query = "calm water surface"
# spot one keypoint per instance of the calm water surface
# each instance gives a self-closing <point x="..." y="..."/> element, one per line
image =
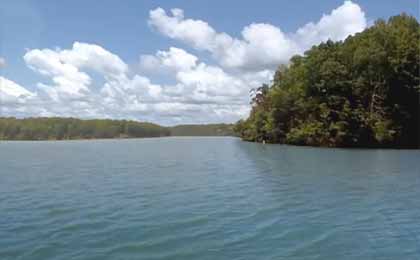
<point x="206" y="198"/>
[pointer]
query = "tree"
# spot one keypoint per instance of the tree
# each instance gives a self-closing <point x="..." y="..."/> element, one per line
<point x="363" y="91"/>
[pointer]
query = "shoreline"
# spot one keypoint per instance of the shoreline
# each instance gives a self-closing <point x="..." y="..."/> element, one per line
<point x="338" y="147"/>
<point x="117" y="138"/>
<point x="209" y="137"/>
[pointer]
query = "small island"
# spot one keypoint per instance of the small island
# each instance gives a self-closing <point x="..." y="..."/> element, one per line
<point x="362" y="92"/>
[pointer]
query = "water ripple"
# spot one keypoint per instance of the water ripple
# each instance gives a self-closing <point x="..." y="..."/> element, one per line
<point x="206" y="198"/>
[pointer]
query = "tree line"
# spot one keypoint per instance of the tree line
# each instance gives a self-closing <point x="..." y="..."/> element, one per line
<point x="56" y="128"/>
<point x="361" y="92"/>
<point x="203" y="130"/>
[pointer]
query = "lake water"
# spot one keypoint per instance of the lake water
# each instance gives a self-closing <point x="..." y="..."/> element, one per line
<point x="206" y="198"/>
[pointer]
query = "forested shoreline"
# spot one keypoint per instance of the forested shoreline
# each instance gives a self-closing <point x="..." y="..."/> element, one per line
<point x="57" y="128"/>
<point x="361" y="92"/>
<point x="203" y="130"/>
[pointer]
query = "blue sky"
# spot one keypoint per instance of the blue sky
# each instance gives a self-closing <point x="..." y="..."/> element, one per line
<point x="128" y="32"/>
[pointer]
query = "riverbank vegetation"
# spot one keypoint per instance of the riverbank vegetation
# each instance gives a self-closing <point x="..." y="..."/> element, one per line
<point x="70" y="128"/>
<point x="362" y="92"/>
<point x="202" y="130"/>
<point x="56" y="128"/>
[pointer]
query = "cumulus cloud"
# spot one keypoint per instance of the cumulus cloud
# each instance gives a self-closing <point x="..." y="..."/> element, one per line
<point x="11" y="91"/>
<point x="174" y="60"/>
<point x="343" y="21"/>
<point x="65" y="68"/>
<point x="197" y="33"/>
<point x="72" y="90"/>
<point x="16" y="100"/>
<point x="262" y="45"/>
<point x="200" y="82"/>
<point x="92" y="56"/>
<point x="198" y="92"/>
<point x="68" y="81"/>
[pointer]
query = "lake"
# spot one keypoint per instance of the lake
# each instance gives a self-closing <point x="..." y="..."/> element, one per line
<point x="206" y="198"/>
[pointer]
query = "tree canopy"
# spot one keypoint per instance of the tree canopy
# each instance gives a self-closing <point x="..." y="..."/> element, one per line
<point x="58" y="128"/>
<point x="202" y="130"/>
<point x="71" y="128"/>
<point x="361" y="92"/>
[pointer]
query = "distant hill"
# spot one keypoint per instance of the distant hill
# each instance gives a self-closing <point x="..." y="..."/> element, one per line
<point x="202" y="130"/>
<point x="58" y="128"/>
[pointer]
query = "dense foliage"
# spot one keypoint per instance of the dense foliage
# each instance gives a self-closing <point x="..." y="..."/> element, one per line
<point x="203" y="130"/>
<point x="56" y="128"/>
<point x="71" y="128"/>
<point x="363" y="92"/>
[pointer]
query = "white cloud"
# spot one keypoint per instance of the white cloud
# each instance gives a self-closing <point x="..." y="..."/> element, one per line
<point x="343" y="21"/>
<point x="198" y="92"/>
<point x="210" y="82"/>
<point x="65" y="68"/>
<point x="15" y="100"/>
<point x="174" y="60"/>
<point x="74" y="92"/>
<point x="263" y="46"/>
<point x="94" y="57"/>
<point x="68" y="80"/>
<point x="195" y="32"/>
<point x="198" y="82"/>
<point x="11" y="91"/>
